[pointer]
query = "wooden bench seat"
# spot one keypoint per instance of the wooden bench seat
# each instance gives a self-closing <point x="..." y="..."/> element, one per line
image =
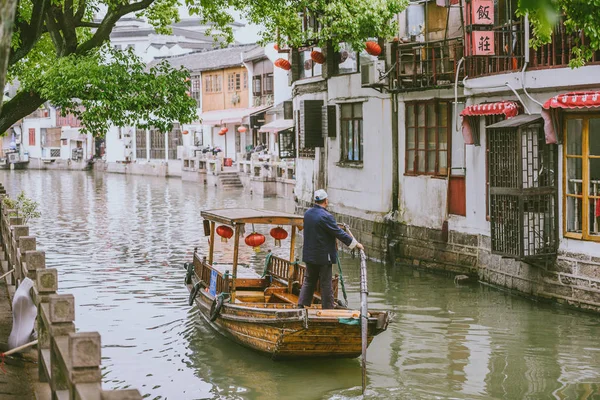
<point x="250" y="296"/>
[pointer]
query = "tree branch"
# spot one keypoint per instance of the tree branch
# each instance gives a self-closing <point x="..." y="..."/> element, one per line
<point x="54" y="32"/>
<point x="29" y="33"/>
<point x="20" y="106"/>
<point x="85" y="24"/>
<point x="80" y="10"/>
<point x="67" y="26"/>
<point x="108" y="23"/>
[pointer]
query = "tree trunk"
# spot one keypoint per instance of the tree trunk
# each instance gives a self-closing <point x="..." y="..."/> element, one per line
<point x="20" y="106"/>
<point x="7" y="19"/>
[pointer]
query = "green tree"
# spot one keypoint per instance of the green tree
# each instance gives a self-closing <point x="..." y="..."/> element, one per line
<point x="59" y="52"/>
<point x="7" y="12"/>
<point x="579" y="16"/>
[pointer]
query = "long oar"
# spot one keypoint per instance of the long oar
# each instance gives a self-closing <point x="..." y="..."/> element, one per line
<point x="364" y="316"/>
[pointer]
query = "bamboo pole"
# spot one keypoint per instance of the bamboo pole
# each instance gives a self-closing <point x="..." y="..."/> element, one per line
<point x="236" y="246"/>
<point x="18" y="349"/>
<point x="6" y="274"/>
<point x="293" y="244"/>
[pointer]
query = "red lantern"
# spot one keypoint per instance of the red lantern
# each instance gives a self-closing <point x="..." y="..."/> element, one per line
<point x="242" y="129"/>
<point x="317" y="57"/>
<point x="185" y="132"/>
<point x="283" y="64"/>
<point x="225" y="232"/>
<point x="276" y="46"/>
<point x="255" y="240"/>
<point x="223" y="131"/>
<point x="278" y="234"/>
<point x="373" y="48"/>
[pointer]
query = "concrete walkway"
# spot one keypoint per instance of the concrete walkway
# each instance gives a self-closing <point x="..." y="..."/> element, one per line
<point x="15" y="384"/>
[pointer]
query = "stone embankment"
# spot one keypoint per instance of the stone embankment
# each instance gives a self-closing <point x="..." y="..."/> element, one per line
<point x="66" y="363"/>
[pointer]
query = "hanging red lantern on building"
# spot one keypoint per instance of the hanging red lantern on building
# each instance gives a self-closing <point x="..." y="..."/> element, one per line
<point x="225" y="232"/>
<point x="242" y="129"/>
<point x="255" y="240"/>
<point x="317" y="57"/>
<point x="373" y="48"/>
<point x="276" y="46"/>
<point x="185" y="132"/>
<point x="278" y="234"/>
<point x="223" y="131"/>
<point x="283" y="64"/>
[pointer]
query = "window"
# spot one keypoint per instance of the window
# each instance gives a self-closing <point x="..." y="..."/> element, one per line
<point x="196" y="94"/>
<point x="351" y="132"/>
<point x="268" y="86"/>
<point x="347" y="60"/>
<point x="287" y="143"/>
<point x="32" y="136"/>
<point x="230" y="82"/>
<point x="309" y="68"/>
<point x="213" y="83"/>
<point x="157" y="144"/>
<point x="245" y="79"/>
<point x="427" y="126"/>
<point x="238" y="81"/>
<point x="256" y="86"/>
<point x="140" y="144"/>
<point x="582" y="177"/>
<point x="175" y="139"/>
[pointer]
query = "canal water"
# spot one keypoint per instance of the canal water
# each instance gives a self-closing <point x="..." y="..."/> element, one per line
<point x="119" y="243"/>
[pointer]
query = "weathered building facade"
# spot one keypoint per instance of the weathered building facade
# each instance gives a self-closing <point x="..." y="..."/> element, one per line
<point x="445" y="159"/>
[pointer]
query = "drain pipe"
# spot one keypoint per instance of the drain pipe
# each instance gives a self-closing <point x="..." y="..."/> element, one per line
<point x="456" y="93"/>
<point x="519" y="97"/>
<point x="527" y="61"/>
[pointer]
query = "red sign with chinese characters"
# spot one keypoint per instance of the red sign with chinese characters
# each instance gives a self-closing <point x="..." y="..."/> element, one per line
<point x="483" y="43"/>
<point x="482" y="12"/>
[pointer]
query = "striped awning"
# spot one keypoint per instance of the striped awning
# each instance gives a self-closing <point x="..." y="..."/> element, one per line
<point x="508" y="108"/>
<point x="565" y="101"/>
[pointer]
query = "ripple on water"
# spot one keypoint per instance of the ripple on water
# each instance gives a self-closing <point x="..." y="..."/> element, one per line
<point x="119" y="243"/>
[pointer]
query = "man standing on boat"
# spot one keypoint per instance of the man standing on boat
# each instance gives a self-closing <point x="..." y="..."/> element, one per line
<point x="319" y="252"/>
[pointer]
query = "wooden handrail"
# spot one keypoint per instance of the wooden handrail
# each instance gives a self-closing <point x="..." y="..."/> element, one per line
<point x="69" y="362"/>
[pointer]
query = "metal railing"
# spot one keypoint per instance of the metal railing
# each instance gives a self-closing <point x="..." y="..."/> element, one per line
<point x="69" y="361"/>
<point x="428" y="64"/>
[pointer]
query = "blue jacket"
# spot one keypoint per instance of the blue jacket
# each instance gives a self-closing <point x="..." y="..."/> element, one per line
<point x="320" y="232"/>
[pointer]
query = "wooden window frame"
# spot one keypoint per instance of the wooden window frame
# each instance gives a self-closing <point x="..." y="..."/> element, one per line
<point x="254" y="82"/>
<point x="268" y="77"/>
<point x="413" y="170"/>
<point x="585" y="177"/>
<point x="343" y="133"/>
<point x="31" y="136"/>
<point x="231" y="82"/>
<point x="309" y="49"/>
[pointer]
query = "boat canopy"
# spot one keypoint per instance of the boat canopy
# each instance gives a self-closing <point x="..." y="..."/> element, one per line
<point x="232" y="216"/>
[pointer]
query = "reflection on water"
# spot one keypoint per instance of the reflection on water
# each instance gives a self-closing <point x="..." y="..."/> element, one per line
<point x="119" y="243"/>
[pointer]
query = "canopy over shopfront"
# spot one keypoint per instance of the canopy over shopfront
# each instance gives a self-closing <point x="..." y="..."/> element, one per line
<point x="229" y="116"/>
<point x="277" y="126"/>
<point x="470" y="127"/>
<point x="565" y="101"/>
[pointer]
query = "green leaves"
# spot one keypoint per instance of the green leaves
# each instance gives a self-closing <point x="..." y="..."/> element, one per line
<point x="580" y="16"/>
<point x="111" y="87"/>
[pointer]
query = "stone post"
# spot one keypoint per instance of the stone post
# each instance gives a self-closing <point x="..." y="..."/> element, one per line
<point x="85" y="356"/>
<point x="25" y="243"/>
<point x="61" y="317"/>
<point x="18" y="231"/>
<point x="46" y="283"/>
<point x="34" y="260"/>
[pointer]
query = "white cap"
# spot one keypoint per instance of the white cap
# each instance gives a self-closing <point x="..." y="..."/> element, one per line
<point x="320" y="195"/>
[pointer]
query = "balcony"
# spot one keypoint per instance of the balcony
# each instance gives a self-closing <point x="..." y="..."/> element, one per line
<point x="423" y="65"/>
<point x="509" y="50"/>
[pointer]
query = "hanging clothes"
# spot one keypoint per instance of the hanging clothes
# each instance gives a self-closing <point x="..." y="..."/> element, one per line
<point x="24" y="315"/>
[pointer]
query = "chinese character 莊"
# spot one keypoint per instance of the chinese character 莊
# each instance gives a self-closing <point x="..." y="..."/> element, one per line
<point x="484" y="43"/>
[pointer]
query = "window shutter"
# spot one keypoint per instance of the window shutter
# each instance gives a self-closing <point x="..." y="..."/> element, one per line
<point x="288" y="110"/>
<point x="312" y="117"/>
<point x="331" y="122"/>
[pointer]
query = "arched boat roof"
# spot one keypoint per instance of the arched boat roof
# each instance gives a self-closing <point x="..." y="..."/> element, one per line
<point x="231" y="216"/>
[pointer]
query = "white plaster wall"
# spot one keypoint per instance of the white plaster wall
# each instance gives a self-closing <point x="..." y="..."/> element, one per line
<point x="282" y="91"/>
<point x="35" y="151"/>
<point x="360" y="191"/>
<point x="115" y="148"/>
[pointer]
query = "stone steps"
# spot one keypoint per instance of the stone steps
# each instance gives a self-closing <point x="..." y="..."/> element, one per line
<point x="230" y="180"/>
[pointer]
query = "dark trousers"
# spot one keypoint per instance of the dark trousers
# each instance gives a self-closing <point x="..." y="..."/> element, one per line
<point x="313" y="273"/>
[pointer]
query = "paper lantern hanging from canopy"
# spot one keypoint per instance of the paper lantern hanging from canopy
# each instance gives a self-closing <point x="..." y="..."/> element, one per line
<point x="242" y="129"/>
<point x="225" y="232"/>
<point x="278" y="234"/>
<point x="223" y="131"/>
<point x="283" y="64"/>
<point x="276" y="46"/>
<point x="373" y="48"/>
<point x="317" y="57"/>
<point x="254" y="240"/>
<point x="185" y="132"/>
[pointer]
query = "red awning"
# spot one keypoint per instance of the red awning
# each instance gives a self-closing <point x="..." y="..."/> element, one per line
<point x="565" y="101"/>
<point x="574" y="100"/>
<point x="508" y="108"/>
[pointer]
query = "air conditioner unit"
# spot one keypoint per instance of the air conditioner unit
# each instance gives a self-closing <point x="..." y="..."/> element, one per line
<point x="13" y="157"/>
<point x="373" y="73"/>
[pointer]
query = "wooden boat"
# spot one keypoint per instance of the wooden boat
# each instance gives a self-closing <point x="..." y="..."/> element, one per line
<point x="261" y="312"/>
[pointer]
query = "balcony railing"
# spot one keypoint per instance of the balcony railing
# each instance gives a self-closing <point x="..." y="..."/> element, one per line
<point x="428" y="64"/>
<point x="509" y="51"/>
